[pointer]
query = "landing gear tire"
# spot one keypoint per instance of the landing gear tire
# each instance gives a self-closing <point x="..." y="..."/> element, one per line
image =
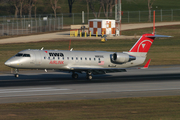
<point x="16" y="75"/>
<point x="89" y="77"/>
<point x="74" y="75"/>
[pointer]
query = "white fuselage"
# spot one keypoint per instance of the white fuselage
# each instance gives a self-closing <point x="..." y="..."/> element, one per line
<point x="65" y="60"/>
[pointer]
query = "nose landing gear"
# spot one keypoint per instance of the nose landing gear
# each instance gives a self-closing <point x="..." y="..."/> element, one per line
<point x="16" y="73"/>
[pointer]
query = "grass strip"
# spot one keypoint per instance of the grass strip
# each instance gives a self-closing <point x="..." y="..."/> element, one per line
<point x="145" y="108"/>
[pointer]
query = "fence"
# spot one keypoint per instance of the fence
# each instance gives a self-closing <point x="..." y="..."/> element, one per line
<point x="9" y="25"/>
<point x="127" y="16"/>
<point x="30" y="26"/>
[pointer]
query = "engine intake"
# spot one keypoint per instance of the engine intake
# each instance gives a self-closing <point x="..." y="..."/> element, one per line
<point x="122" y="58"/>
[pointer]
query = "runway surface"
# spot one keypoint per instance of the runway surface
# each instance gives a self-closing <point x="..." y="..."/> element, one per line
<point x="37" y="85"/>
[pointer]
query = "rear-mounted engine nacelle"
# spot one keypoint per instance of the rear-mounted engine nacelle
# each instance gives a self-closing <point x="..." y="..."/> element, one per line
<point x="121" y="58"/>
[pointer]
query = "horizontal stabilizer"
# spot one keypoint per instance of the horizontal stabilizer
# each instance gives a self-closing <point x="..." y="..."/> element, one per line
<point x="157" y="36"/>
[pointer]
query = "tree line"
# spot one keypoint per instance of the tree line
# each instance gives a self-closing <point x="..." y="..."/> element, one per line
<point x="108" y="6"/>
<point x="27" y="5"/>
<point x="94" y="6"/>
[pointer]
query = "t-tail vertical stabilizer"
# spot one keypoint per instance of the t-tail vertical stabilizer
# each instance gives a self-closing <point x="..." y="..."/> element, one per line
<point x="142" y="46"/>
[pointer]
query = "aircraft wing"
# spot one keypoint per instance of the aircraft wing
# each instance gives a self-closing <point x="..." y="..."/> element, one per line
<point x="96" y="71"/>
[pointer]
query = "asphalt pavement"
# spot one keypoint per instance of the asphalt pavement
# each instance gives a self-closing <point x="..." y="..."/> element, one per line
<point x="34" y="86"/>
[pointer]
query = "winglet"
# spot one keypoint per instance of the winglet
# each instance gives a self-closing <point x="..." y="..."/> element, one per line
<point x="147" y="64"/>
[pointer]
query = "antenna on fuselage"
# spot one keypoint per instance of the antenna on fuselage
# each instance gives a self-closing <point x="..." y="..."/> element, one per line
<point x="42" y="48"/>
<point x="71" y="49"/>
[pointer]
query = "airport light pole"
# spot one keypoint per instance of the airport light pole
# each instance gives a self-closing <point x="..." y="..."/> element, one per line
<point x="118" y="16"/>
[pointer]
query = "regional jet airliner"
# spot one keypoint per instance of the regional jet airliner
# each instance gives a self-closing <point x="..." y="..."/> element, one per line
<point x="90" y="62"/>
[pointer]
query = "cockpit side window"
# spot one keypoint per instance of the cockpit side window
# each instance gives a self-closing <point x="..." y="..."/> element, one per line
<point x="19" y="55"/>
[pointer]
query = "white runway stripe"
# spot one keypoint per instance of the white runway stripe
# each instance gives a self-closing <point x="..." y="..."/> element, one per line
<point x="30" y="90"/>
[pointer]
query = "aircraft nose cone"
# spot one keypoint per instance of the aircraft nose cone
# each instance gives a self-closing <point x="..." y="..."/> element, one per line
<point x="7" y="63"/>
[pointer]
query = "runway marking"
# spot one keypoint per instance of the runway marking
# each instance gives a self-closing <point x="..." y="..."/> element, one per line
<point x="30" y="90"/>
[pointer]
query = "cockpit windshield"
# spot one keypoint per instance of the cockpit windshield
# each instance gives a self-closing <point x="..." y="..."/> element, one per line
<point x="22" y="55"/>
<point x="26" y="55"/>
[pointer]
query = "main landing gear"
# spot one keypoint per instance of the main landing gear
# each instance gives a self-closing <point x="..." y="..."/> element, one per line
<point x="88" y="75"/>
<point x="16" y="73"/>
<point x="74" y="75"/>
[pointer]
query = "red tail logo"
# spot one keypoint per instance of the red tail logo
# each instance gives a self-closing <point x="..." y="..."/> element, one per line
<point x="143" y="44"/>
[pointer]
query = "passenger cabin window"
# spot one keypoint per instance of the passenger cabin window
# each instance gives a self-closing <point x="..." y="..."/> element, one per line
<point x="68" y="58"/>
<point x="94" y="59"/>
<point x="72" y="58"/>
<point x="89" y="58"/>
<point x="85" y="58"/>
<point x="81" y="58"/>
<point x="76" y="58"/>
